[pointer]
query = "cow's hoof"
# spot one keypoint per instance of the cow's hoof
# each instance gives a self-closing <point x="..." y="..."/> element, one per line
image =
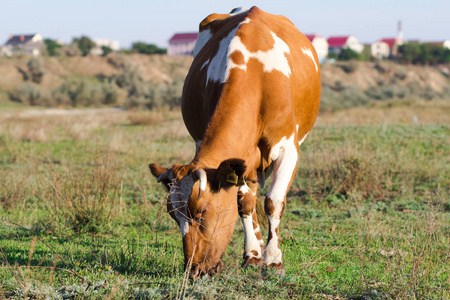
<point x="279" y="269"/>
<point x="252" y="262"/>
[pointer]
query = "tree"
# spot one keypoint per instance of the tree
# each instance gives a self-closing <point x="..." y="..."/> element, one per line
<point x="52" y="46"/>
<point x="423" y="54"/>
<point x="106" y="50"/>
<point x="348" y="54"/>
<point x="143" y="48"/>
<point x="85" y="44"/>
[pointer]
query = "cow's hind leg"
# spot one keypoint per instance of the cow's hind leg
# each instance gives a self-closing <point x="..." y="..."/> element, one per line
<point x="253" y="244"/>
<point x="285" y="156"/>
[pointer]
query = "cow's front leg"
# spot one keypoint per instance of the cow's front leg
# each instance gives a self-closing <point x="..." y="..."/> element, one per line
<point x="253" y="243"/>
<point x="284" y="165"/>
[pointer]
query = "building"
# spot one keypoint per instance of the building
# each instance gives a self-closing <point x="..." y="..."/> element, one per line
<point x="385" y="47"/>
<point x="24" y="43"/>
<point x="182" y="44"/>
<point x="337" y="43"/>
<point x="446" y="44"/>
<point x="99" y="43"/>
<point x="380" y="49"/>
<point x="320" y="44"/>
<point x="388" y="47"/>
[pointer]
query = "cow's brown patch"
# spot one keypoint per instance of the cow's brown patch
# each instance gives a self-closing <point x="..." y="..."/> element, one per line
<point x="268" y="206"/>
<point x="246" y="204"/>
<point x="237" y="57"/>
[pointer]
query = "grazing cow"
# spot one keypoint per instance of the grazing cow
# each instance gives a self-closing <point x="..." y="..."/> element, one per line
<point x="249" y="100"/>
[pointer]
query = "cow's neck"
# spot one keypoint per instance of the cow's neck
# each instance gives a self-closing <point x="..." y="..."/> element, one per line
<point x="233" y="133"/>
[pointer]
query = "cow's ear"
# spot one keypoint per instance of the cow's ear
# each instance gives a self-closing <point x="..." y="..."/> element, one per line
<point x="161" y="174"/>
<point x="231" y="172"/>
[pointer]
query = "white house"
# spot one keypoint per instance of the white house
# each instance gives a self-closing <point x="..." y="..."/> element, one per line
<point x="99" y="43"/>
<point x="320" y="44"/>
<point x="337" y="43"/>
<point x="182" y="44"/>
<point x="446" y="44"/>
<point x="380" y="49"/>
<point x="24" y="43"/>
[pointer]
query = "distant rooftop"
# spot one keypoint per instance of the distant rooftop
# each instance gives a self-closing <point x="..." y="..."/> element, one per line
<point x="337" y="41"/>
<point x="183" y="37"/>
<point x="15" y="40"/>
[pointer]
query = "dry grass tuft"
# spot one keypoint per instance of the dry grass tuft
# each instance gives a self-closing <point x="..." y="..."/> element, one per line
<point x="86" y="197"/>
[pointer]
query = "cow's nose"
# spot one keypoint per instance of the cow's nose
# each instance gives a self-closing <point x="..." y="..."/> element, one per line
<point x="195" y="271"/>
<point x="216" y="269"/>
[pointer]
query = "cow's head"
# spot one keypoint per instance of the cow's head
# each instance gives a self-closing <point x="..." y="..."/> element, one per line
<point x="203" y="202"/>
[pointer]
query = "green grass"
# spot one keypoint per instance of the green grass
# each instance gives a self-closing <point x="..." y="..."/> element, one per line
<point x="368" y="214"/>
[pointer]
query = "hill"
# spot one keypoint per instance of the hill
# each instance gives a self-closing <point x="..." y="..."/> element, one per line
<point x="149" y="81"/>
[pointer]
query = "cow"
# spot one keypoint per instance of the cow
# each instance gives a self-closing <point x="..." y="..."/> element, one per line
<point x="250" y="98"/>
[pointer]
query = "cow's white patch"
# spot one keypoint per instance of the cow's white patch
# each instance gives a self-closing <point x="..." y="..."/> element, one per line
<point x="273" y="59"/>
<point x="238" y="10"/>
<point x="179" y="196"/>
<point x="309" y="53"/>
<point x="272" y="254"/>
<point x="244" y="189"/>
<point x="303" y="139"/>
<point x="284" y="156"/>
<point x="203" y="37"/>
<point x="246" y="21"/>
<point x="251" y="243"/>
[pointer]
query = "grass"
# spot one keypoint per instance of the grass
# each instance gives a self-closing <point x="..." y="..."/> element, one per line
<point x="368" y="214"/>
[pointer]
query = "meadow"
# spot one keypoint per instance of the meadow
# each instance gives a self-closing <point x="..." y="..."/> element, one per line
<point x="368" y="214"/>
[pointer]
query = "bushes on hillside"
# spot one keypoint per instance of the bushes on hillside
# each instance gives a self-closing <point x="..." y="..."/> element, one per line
<point x="29" y="93"/>
<point x="34" y="70"/>
<point x="148" y="95"/>
<point x="423" y="54"/>
<point x="78" y="93"/>
<point x="144" y="48"/>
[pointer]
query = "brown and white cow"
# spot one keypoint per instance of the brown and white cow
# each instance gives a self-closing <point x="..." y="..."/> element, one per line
<point x="250" y="99"/>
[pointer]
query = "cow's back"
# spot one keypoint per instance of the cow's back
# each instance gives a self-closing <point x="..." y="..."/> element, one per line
<point x="257" y="73"/>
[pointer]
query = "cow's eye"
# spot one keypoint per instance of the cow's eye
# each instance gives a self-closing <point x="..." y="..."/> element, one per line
<point x="200" y="213"/>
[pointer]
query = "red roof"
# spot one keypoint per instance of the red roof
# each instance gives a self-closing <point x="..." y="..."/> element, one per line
<point x="311" y="36"/>
<point x="184" y="37"/>
<point x="337" y="41"/>
<point x="390" y="42"/>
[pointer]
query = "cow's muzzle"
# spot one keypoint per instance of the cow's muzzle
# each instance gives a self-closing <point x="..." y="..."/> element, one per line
<point x="199" y="270"/>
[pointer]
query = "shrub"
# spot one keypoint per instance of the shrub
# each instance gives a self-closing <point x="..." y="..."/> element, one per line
<point x="143" y="48"/>
<point x="85" y="44"/>
<point x="52" y="46"/>
<point x="109" y="94"/>
<point x="106" y="50"/>
<point x="388" y="92"/>
<point x="340" y="97"/>
<point x="68" y="50"/>
<point x="348" y="54"/>
<point x="76" y="93"/>
<point x="69" y="93"/>
<point x="36" y="69"/>
<point x="349" y="67"/>
<point x="29" y="94"/>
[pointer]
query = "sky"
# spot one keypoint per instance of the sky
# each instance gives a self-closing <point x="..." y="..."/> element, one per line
<point x="155" y="21"/>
